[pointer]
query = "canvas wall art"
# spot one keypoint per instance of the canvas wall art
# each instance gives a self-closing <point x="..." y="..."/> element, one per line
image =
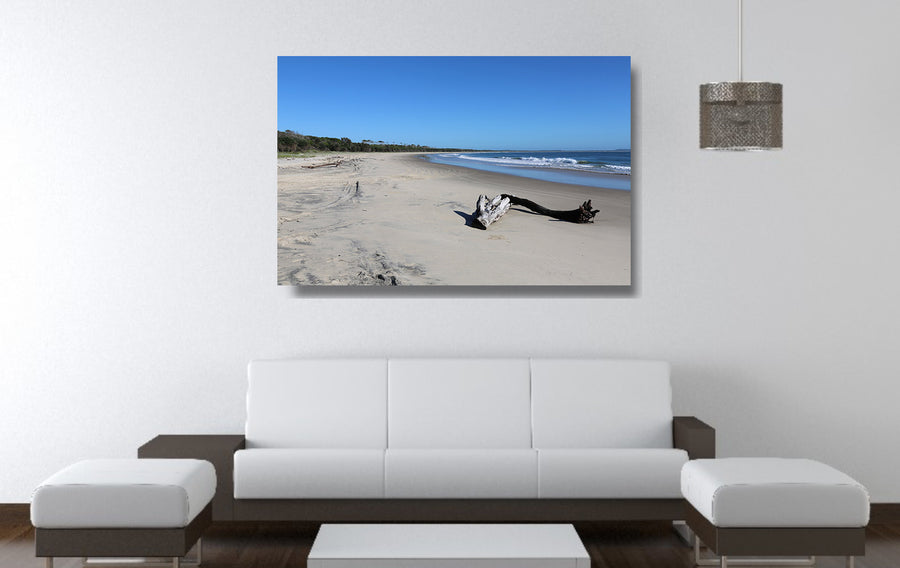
<point x="444" y="171"/>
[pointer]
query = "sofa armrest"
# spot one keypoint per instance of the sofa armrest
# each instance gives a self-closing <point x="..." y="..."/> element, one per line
<point x="217" y="449"/>
<point x="694" y="436"/>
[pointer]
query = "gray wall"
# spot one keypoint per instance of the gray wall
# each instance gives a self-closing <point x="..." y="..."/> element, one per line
<point x="137" y="221"/>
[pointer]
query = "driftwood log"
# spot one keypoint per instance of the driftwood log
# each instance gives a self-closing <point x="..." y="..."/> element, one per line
<point x="335" y="164"/>
<point x="488" y="211"/>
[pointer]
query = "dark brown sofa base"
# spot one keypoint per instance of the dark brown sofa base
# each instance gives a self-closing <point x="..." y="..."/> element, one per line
<point x="771" y="541"/>
<point x="458" y="510"/>
<point x="121" y="542"/>
<point x="694" y="436"/>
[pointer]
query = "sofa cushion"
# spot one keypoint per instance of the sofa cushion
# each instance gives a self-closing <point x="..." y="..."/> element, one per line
<point x="595" y="403"/>
<point x="425" y="474"/>
<point x="611" y="473"/>
<point x="124" y="493"/>
<point x="317" y="403"/>
<point x="316" y="474"/>
<point x="459" y="403"/>
<point x="774" y="492"/>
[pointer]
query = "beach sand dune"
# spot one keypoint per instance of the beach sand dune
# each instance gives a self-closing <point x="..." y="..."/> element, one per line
<point x="396" y="219"/>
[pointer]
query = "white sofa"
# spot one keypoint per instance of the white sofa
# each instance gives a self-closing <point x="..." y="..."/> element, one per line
<point x="462" y="439"/>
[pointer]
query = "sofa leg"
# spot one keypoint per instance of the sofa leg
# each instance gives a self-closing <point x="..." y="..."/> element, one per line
<point x="176" y="562"/>
<point x="850" y="561"/>
<point x="48" y="562"/>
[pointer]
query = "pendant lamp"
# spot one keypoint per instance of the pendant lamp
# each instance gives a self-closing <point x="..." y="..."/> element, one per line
<point x="740" y="115"/>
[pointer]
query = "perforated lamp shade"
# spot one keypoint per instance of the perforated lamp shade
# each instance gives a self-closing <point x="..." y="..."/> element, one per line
<point x="740" y="116"/>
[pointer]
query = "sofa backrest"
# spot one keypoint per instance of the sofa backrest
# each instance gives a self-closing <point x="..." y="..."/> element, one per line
<point x="600" y="403"/>
<point x="317" y="403"/>
<point x="459" y="403"/>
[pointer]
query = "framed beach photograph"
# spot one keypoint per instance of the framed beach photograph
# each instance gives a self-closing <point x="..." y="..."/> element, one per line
<point x="449" y="171"/>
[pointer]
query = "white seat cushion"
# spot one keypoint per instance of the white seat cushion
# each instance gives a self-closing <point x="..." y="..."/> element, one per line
<point x="291" y="473"/>
<point x="774" y="492"/>
<point x="124" y="493"/>
<point x="598" y="403"/>
<point x="427" y="474"/>
<point x="611" y="474"/>
<point x="459" y="403"/>
<point x="317" y="403"/>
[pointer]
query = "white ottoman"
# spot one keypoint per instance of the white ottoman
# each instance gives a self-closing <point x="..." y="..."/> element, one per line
<point x="123" y="507"/>
<point x="774" y="506"/>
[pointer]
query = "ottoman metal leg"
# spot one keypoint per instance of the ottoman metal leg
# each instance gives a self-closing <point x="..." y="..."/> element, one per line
<point x="48" y="562"/>
<point x="684" y="532"/>
<point x="723" y="561"/>
<point x="176" y="562"/>
<point x="850" y="561"/>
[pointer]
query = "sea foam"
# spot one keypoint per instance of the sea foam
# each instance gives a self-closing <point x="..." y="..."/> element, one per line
<point x="609" y="169"/>
<point x="544" y="162"/>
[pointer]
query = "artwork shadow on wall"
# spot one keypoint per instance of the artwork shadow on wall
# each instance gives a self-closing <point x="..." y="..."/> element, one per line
<point x="454" y="171"/>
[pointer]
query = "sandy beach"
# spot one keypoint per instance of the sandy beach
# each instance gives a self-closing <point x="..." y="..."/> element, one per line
<point x="396" y="219"/>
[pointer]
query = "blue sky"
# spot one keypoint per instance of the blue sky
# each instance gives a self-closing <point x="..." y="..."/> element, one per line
<point x="502" y="103"/>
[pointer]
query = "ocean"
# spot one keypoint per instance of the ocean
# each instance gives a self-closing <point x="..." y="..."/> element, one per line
<point x="610" y="169"/>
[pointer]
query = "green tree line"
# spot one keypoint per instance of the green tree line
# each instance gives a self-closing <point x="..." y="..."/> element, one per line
<point x="292" y="142"/>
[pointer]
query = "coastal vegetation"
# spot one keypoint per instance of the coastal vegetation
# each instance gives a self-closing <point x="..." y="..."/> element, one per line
<point x="290" y="142"/>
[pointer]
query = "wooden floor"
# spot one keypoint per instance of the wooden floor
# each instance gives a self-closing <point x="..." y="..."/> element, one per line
<point x="636" y="545"/>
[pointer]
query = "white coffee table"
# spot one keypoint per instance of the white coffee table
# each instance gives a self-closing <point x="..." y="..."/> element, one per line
<point x="447" y="546"/>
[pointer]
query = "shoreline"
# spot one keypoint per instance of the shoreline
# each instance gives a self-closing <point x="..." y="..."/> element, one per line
<point x="406" y="223"/>
<point x="573" y="171"/>
<point x="527" y="183"/>
<point x="565" y="175"/>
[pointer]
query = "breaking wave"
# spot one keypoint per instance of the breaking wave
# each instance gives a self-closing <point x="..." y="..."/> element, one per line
<point x="581" y="162"/>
